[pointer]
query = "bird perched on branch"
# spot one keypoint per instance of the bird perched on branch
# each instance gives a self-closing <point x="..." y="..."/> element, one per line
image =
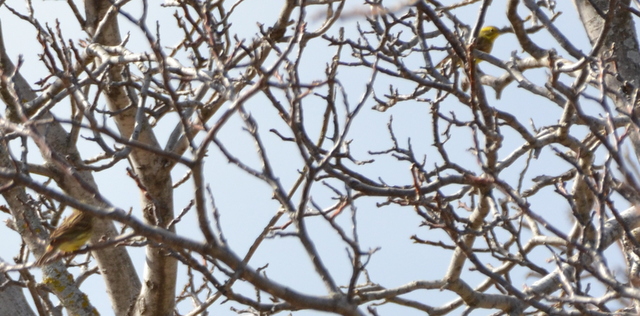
<point x="484" y="43"/>
<point x="70" y="236"/>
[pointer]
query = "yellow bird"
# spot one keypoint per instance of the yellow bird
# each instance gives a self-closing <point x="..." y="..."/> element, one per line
<point x="70" y="236"/>
<point x="486" y="37"/>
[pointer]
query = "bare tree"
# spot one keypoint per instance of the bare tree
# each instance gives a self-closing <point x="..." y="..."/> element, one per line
<point x="475" y="179"/>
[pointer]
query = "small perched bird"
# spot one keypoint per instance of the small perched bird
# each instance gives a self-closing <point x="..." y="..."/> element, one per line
<point x="70" y="236"/>
<point x="486" y="37"/>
